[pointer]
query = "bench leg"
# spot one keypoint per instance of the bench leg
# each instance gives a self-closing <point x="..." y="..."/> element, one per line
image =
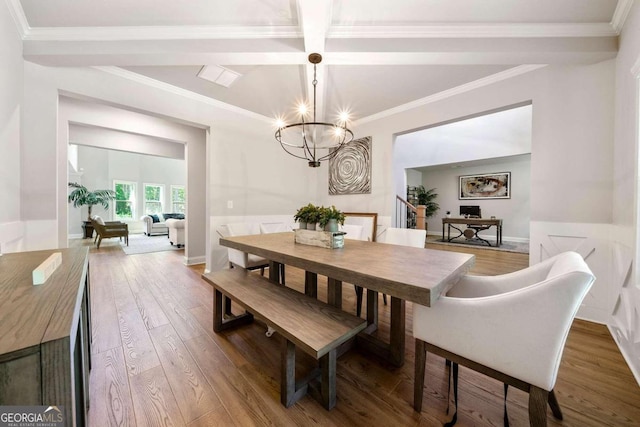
<point x="328" y="386"/>
<point x="219" y="323"/>
<point x="291" y="391"/>
<point x="289" y="394"/>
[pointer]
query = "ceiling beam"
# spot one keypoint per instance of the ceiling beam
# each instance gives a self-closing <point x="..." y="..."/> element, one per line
<point x="337" y="52"/>
<point x="314" y="17"/>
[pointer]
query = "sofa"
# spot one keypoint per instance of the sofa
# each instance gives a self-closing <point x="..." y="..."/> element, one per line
<point x="176" y="231"/>
<point x="156" y="224"/>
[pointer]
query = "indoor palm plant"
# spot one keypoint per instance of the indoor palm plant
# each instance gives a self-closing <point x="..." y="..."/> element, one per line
<point x="427" y="198"/>
<point x="81" y="196"/>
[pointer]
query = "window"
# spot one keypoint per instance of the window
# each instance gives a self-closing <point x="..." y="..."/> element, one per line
<point x="125" y="199"/>
<point x="177" y="199"/>
<point x="153" y="197"/>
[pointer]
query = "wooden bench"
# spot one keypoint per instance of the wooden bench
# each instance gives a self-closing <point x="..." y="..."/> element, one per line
<point x="304" y="322"/>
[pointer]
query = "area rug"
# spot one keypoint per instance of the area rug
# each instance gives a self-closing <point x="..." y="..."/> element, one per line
<point x="518" y="247"/>
<point x="142" y="244"/>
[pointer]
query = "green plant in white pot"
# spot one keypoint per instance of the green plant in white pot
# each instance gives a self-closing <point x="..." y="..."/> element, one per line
<point x="307" y="216"/>
<point x="82" y="196"/>
<point x="330" y="218"/>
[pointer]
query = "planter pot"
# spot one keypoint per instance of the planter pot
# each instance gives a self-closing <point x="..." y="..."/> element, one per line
<point x="332" y="225"/>
<point x="311" y="225"/>
<point x="302" y="225"/>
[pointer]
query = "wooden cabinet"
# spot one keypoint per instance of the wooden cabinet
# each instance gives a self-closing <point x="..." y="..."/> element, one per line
<point x="45" y="333"/>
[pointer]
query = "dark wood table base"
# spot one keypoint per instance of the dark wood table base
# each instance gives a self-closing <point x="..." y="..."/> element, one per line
<point x="393" y="351"/>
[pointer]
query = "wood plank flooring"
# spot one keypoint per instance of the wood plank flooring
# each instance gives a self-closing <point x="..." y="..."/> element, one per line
<point x="157" y="361"/>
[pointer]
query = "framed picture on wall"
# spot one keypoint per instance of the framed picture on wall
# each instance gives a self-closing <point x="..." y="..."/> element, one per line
<point x="487" y="186"/>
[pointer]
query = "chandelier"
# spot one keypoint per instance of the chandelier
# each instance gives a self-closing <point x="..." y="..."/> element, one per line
<point x="312" y="140"/>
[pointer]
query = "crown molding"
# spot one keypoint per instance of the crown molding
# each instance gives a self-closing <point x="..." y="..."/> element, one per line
<point x="473" y="31"/>
<point x="348" y="32"/>
<point x="623" y="7"/>
<point x="485" y="81"/>
<point x="20" y="19"/>
<point x="138" y="78"/>
<point x="159" y="33"/>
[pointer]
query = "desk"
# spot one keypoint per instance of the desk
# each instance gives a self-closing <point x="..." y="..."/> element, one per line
<point x="475" y="224"/>
<point x="404" y="273"/>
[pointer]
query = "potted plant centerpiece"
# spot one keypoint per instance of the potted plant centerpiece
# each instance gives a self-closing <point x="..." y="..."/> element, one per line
<point x="330" y="218"/>
<point x="307" y="216"/>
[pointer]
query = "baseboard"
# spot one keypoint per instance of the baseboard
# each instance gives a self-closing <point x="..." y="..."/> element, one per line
<point x="75" y="236"/>
<point x="631" y="363"/>
<point x="194" y="260"/>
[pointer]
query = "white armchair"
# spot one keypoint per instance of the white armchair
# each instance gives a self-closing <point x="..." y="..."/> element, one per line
<point x="512" y="327"/>
<point x="405" y="236"/>
<point x="238" y="258"/>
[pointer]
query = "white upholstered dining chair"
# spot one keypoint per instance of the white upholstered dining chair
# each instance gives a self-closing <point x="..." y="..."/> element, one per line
<point x="405" y="236"/>
<point x="512" y="327"/>
<point x="238" y="258"/>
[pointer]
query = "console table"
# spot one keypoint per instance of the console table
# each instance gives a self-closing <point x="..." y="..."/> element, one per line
<point x="45" y="333"/>
<point x="474" y="224"/>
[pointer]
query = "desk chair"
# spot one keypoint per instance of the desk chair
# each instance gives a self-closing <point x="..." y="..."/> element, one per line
<point x="511" y="327"/>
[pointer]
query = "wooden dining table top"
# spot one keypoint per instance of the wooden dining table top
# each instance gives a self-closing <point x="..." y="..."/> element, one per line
<point x="412" y="274"/>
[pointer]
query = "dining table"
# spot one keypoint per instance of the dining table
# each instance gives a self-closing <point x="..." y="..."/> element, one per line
<point x="404" y="273"/>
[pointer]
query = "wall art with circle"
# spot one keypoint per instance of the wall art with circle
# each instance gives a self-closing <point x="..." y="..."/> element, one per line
<point x="350" y="169"/>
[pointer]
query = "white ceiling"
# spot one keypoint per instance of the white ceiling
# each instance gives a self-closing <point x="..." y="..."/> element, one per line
<point x="377" y="54"/>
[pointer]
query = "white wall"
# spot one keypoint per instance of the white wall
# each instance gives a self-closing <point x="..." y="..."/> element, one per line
<point x="571" y="155"/>
<point x="89" y="122"/>
<point x="625" y="295"/>
<point x="11" y="84"/>
<point x="100" y="167"/>
<point x="244" y="163"/>
<point x="513" y="211"/>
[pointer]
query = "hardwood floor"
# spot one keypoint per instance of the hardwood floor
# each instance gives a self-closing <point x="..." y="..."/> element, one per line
<point x="157" y="361"/>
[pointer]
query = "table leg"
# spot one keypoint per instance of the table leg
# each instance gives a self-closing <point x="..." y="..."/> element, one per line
<point x="397" y="331"/>
<point x="334" y="292"/>
<point x="311" y="284"/>
<point x="274" y="272"/>
<point x="443" y="231"/>
<point x="392" y="351"/>
<point x="372" y="309"/>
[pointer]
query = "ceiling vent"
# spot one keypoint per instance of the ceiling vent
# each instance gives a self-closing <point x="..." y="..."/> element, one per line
<point x="219" y="75"/>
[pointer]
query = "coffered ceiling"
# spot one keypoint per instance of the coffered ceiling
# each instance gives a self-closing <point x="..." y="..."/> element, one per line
<point x="378" y="55"/>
